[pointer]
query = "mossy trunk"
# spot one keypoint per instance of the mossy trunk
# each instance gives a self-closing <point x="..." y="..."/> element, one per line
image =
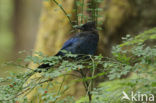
<point x="119" y="17"/>
<point x="54" y="30"/>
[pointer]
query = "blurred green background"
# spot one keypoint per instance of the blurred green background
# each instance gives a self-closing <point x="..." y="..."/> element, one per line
<point x="18" y="27"/>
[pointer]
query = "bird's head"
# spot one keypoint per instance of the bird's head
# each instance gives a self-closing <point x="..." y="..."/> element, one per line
<point x="89" y="26"/>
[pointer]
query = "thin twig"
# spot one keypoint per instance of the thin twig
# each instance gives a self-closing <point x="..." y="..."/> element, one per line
<point x="61" y="86"/>
<point x="76" y="11"/>
<point x="66" y="14"/>
<point x="86" y="85"/>
<point x="82" y="10"/>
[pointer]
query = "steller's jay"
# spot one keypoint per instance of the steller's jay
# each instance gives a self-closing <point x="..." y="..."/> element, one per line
<point x="84" y="42"/>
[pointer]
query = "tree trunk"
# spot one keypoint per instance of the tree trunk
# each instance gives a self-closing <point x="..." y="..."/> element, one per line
<point x="25" y="23"/>
<point x="121" y="17"/>
<point x="54" y="30"/>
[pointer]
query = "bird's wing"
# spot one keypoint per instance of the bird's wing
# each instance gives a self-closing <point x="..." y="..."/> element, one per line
<point x="70" y="42"/>
<point x="82" y="43"/>
<point x="67" y="44"/>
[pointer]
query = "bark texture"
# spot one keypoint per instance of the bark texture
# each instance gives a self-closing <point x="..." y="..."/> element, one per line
<point x="54" y="30"/>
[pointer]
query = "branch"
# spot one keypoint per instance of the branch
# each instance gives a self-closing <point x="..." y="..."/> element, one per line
<point x="60" y="6"/>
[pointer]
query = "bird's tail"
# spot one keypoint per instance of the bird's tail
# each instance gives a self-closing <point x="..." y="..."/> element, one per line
<point x="44" y="67"/>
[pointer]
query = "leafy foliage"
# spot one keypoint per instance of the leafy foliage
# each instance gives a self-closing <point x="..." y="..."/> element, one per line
<point x="137" y="60"/>
<point x="134" y="61"/>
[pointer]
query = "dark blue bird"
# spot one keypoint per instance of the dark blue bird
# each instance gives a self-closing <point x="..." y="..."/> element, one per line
<point x="84" y="42"/>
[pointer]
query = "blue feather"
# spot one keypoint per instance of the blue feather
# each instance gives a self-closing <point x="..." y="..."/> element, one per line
<point x="69" y="42"/>
<point x="84" y="42"/>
